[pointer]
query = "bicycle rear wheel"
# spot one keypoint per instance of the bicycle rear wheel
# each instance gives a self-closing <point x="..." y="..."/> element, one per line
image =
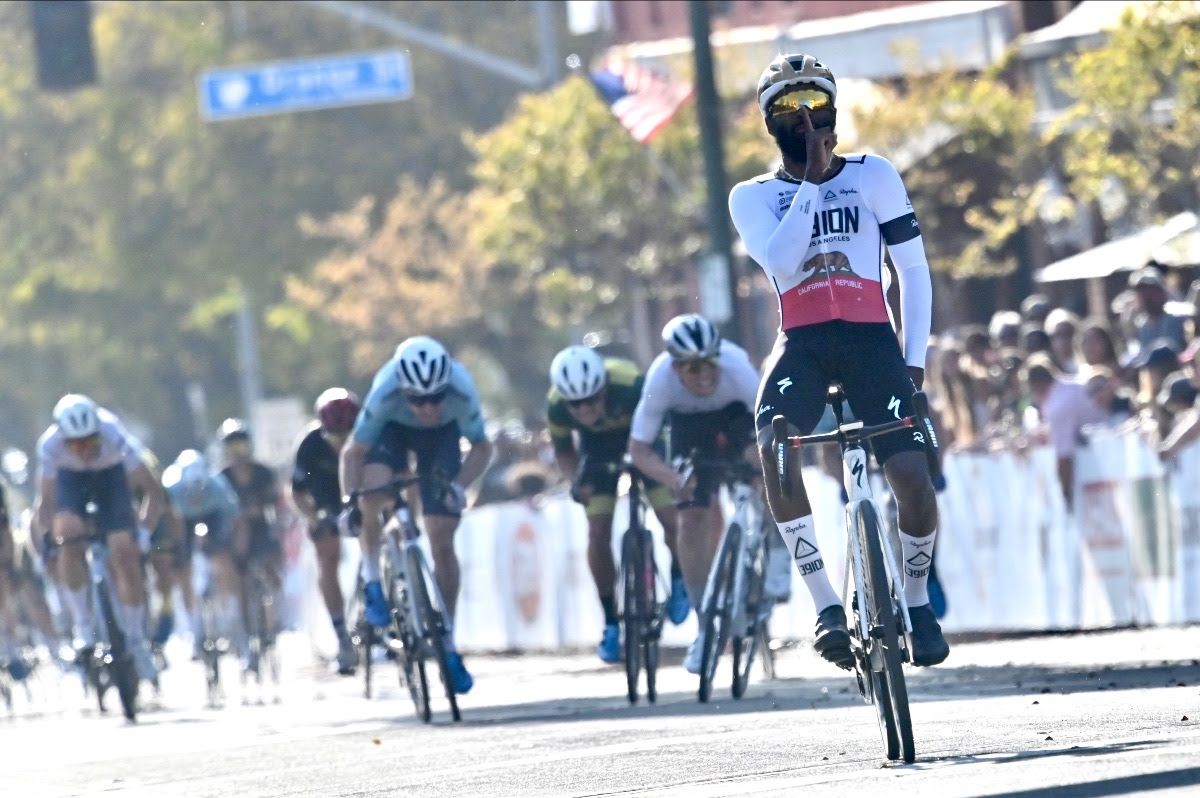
<point x="433" y="611"/>
<point x="717" y="609"/>
<point x="631" y="578"/>
<point x="887" y="667"/>
<point x="121" y="665"/>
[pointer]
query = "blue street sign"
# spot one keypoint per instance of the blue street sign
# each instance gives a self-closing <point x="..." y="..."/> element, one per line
<point x="304" y="85"/>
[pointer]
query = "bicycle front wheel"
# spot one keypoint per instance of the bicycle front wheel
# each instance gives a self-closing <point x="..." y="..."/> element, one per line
<point x="716" y="611"/>
<point x="649" y="614"/>
<point x="631" y="580"/>
<point x="887" y="660"/>
<point x="121" y="667"/>
<point x="746" y="639"/>
<point x="433" y="615"/>
<point x="409" y="657"/>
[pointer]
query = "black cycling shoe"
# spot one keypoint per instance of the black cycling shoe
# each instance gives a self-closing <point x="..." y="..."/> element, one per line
<point x="833" y="638"/>
<point x="929" y="646"/>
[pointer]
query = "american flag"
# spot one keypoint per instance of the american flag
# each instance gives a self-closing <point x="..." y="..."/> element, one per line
<point x="643" y="100"/>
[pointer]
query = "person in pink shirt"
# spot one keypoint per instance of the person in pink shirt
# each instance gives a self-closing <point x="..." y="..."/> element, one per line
<point x="1065" y="409"/>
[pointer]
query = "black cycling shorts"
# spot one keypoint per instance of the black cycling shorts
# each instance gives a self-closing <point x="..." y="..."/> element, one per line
<point x="718" y="435"/>
<point x="108" y="488"/>
<point x="865" y="358"/>
<point x="436" y="449"/>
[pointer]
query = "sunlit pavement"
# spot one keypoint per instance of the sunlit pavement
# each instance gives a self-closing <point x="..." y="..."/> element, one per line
<point x="1112" y="713"/>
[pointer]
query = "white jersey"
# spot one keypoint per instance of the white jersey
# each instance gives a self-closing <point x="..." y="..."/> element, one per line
<point x="822" y="246"/>
<point x="665" y="393"/>
<point x="116" y="446"/>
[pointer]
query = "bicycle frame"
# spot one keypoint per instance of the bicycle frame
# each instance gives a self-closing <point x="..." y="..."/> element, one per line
<point x="858" y="489"/>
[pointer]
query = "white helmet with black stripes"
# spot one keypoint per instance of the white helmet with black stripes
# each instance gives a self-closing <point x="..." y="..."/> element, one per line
<point x="691" y="336"/>
<point x="422" y="366"/>
<point x="77" y="416"/>
<point x="577" y="372"/>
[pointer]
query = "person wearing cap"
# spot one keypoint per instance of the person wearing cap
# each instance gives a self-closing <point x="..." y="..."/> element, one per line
<point x="1035" y="308"/>
<point x="1064" y="409"/>
<point x="1151" y="320"/>
<point x="1154" y="365"/>
<point x="1005" y="329"/>
<point x="1062" y="326"/>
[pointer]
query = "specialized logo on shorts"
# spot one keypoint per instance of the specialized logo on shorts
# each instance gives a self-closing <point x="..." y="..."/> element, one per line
<point x="894" y="407"/>
<point x="784" y="384"/>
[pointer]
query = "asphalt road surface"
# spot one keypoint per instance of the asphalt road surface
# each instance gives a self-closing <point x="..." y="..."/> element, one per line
<point x="1082" y="715"/>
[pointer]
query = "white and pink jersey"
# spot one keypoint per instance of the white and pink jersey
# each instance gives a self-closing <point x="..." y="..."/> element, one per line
<point x="822" y="246"/>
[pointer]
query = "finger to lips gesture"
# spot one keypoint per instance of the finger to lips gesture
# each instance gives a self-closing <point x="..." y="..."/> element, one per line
<point x="818" y="143"/>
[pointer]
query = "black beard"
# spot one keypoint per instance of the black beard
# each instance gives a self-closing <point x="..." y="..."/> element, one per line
<point x="792" y="147"/>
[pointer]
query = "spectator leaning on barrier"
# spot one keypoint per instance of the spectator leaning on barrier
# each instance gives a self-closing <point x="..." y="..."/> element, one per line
<point x="1151" y="321"/>
<point x="1064" y="409"/>
<point x="1154" y="365"/>
<point x="1186" y="426"/>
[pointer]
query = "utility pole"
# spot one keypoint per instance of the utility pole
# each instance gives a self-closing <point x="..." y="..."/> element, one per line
<point x="249" y="370"/>
<point x="720" y="262"/>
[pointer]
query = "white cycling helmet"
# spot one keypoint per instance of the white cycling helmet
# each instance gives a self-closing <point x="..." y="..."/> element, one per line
<point x="691" y="336"/>
<point x="77" y="416"/>
<point x="422" y="365"/>
<point x="193" y="469"/>
<point x="790" y="70"/>
<point x="577" y="372"/>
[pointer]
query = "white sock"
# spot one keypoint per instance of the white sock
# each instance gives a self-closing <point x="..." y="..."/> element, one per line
<point x="801" y="539"/>
<point x="370" y="568"/>
<point x="79" y="602"/>
<point x="917" y="554"/>
<point x="133" y="621"/>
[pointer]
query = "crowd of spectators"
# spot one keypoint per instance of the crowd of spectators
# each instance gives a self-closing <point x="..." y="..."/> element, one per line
<point x="1043" y="374"/>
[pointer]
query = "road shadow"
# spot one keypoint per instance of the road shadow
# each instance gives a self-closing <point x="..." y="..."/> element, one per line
<point x="839" y="691"/>
<point x="1120" y="785"/>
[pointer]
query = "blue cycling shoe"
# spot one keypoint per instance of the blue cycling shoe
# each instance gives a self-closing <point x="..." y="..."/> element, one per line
<point x="162" y="631"/>
<point x="17" y="669"/>
<point x="460" y="678"/>
<point x="377" y="611"/>
<point x="677" y="603"/>
<point x="609" y="649"/>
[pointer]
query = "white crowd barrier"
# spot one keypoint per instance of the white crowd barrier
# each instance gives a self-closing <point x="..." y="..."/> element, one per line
<point x="1010" y="554"/>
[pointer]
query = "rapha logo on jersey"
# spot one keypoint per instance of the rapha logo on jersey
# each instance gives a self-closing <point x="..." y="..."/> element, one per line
<point x="894" y="407"/>
<point x="847" y="191"/>
<point x="784" y="384"/>
<point x="829" y="195"/>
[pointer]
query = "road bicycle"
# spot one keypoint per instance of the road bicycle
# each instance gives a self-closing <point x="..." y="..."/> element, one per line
<point x="420" y="623"/>
<point x="109" y="663"/>
<point x="643" y="594"/>
<point x="735" y="608"/>
<point x="873" y="591"/>
<point x="262" y="629"/>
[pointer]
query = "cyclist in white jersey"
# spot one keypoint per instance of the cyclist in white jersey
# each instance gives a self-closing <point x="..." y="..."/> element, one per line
<point x="705" y="387"/>
<point x="818" y="226"/>
<point x="87" y="456"/>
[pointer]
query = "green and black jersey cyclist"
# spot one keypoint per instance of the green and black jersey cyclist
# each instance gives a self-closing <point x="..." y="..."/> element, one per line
<point x="589" y="411"/>
<point x="817" y="226"/>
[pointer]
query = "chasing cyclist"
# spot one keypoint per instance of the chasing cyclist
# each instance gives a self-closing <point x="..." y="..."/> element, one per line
<point x="260" y="500"/>
<point x="816" y="226"/>
<point x="85" y="456"/>
<point x="318" y="496"/>
<point x="704" y="387"/>
<point x="206" y="506"/>
<point x="421" y="402"/>
<point x="595" y="397"/>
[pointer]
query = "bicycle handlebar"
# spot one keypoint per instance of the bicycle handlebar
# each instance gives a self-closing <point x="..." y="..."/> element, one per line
<point x="856" y="432"/>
